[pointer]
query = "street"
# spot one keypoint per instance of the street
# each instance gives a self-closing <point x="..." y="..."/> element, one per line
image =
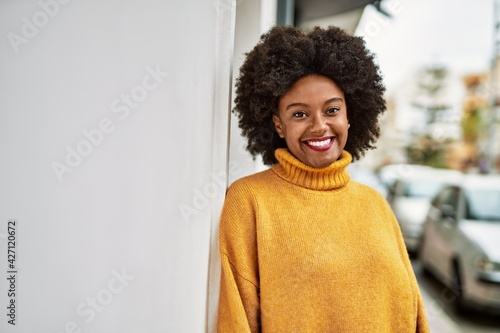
<point x="440" y="312"/>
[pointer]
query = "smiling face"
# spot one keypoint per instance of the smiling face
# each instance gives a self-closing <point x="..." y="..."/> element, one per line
<point x="313" y="120"/>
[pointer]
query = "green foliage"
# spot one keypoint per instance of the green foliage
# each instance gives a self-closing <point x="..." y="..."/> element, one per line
<point x="427" y="151"/>
<point x="471" y="125"/>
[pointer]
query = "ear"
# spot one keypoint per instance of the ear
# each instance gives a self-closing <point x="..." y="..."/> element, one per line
<point x="278" y="125"/>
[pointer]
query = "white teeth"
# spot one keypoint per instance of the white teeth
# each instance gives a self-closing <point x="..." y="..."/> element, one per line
<point x="319" y="143"/>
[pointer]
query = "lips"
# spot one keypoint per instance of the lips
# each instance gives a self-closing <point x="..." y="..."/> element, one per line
<point x="320" y="144"/>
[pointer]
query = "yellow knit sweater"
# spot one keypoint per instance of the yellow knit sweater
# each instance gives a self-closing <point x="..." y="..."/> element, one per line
<point x="308" y="250"/>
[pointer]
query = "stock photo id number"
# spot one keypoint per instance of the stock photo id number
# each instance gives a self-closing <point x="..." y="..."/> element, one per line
<point x="11" y="271"/>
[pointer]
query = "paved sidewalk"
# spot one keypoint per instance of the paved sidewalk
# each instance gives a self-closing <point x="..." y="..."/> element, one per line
<point x="439" y="322"/>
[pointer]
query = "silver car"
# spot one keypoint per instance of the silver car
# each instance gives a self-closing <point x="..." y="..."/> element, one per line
<point x="461" y="241"/>
<point x="410" y="197"/>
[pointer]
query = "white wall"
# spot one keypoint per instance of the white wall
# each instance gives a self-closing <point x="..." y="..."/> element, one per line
<point x="117" y="240"/>
<point x="253" y="18"/>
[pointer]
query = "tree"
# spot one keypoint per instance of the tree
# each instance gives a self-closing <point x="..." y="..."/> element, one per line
<point x="425" y="148"/>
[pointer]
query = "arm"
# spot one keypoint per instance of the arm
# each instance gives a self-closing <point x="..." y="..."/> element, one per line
<point x="422" y="324"/>
<point x="239" y="304"/>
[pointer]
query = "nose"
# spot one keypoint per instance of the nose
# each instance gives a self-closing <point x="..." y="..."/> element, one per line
<point x="318" y="125"/>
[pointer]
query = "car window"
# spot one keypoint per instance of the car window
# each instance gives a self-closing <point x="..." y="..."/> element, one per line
<point x="483" y="205"/>
<point x="448" y="196"/>
<point x="438" y="198"/>
<point x="422" y="189"/>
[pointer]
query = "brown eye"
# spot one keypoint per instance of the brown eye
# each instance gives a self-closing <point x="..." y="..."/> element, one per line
<point x="299" y="114"/>
<point x="332" y="110"/>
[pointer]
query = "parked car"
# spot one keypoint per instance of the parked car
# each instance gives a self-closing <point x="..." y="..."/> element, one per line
<point x="410" y="197"/>
<point x="461" y="241"/>
<point x="389" y="173"/>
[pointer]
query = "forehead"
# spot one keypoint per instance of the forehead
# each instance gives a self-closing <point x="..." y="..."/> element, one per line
<point x="313" y="87"/>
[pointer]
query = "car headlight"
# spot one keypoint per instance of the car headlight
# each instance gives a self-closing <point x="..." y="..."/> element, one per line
<point x="484" y="265"/>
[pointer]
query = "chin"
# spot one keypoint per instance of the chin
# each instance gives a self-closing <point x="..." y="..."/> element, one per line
<point x="322" y="164"/>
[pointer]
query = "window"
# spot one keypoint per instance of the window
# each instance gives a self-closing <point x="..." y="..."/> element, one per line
<point x="422" y="188"/>
<point x="483" y="205"/>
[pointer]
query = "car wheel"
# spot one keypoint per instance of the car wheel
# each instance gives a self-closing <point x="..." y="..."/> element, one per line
<point x="425" y="269"/>
<point x="457" y="288"/>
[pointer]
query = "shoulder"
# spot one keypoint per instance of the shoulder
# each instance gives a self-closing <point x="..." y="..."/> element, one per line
<point x="241" y="208"/>
<point x="363" y="189"/>
<point x="252" y="183"/>
<point x="247" y="194"/>
<point x="368" y="195"/>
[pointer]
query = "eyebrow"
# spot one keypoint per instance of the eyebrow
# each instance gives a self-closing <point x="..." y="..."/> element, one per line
<point x="331" y="100"/>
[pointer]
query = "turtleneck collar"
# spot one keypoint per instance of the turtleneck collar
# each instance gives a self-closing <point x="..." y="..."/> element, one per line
<point x="293" y="170"/>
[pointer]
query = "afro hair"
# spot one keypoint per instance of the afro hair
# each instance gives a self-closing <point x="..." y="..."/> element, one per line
<point x="285" y="54"/>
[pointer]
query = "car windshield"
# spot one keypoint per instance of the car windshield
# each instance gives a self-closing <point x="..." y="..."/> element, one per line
<point x="483" y="205"/>
<point x="422" y="189"/>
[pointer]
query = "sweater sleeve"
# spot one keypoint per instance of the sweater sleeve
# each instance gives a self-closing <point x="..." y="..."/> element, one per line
<point x="422" y="324"/>
<point x="239" y="305"/>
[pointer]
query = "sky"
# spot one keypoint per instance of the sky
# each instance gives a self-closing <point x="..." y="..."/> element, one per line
<point x="455" y="34"/>
<point x="458" y="34"/>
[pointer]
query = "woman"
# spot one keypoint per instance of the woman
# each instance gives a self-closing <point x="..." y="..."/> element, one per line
<point x="304" y="248"/>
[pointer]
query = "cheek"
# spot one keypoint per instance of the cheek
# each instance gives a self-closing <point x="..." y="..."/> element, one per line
<point x="339" y="125"/>
<point x="293" y="133"/>
<point x="344" y="125"/>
